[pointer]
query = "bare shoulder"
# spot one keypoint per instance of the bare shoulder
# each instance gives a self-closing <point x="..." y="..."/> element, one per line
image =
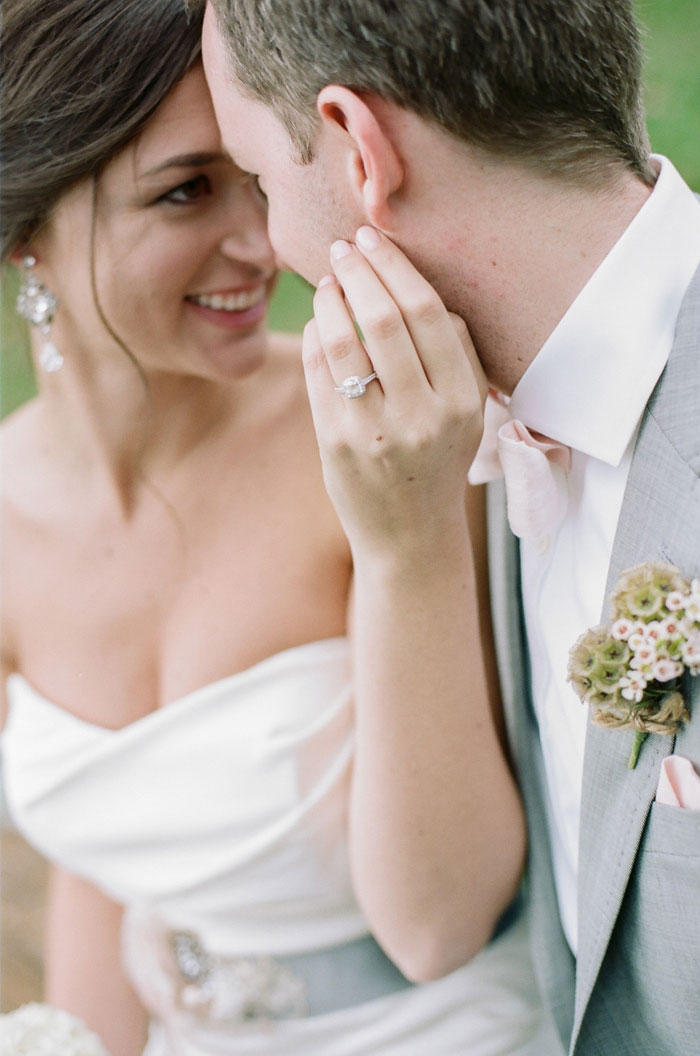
<point x="19" y="449"/>
<point x="297" y="445"/>
<point x="285" y="358"/>
<point x="18" y="422"/>
<point x="27" y="501"/>
<point x="17" y="443"/>
<point x="285" y="375"/>
<point x="287" y="346"/>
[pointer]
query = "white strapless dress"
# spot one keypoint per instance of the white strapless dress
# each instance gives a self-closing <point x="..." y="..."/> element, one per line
<point x="220" y="822"/>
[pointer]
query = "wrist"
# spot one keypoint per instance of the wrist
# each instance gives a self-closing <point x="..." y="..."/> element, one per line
<point x="436" y="552"/>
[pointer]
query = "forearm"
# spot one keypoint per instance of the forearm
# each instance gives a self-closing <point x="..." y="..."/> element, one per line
<point x="83" y="967"/>
<point x="437" y="832"/>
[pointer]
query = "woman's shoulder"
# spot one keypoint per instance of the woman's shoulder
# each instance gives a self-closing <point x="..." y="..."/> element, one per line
<point x="18" y="441"/>
<point x="283" y="376"/>
<point x="17" y="480"/>
<point x="287" y="346"/>
<point x="285" y="358"/>
<point x="31" y="491"/>
<point x="18" y="420"/>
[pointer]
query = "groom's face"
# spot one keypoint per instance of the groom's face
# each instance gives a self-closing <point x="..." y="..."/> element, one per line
<point x="306" y="211"/>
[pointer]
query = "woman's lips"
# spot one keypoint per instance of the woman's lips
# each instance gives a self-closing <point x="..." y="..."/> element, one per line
<point x="231" y="310"/>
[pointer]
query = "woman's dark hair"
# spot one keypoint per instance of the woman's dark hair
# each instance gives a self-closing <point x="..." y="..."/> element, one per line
<point x="80" y="79"/>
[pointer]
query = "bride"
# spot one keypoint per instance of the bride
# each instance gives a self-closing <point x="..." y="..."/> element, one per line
<point x="264" y="761"/>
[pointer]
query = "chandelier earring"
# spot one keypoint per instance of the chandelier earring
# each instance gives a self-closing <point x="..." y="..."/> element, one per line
<point x="38" y="306"/>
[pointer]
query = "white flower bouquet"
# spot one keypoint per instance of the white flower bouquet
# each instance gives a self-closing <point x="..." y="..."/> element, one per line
<point x="39" y="1030"/>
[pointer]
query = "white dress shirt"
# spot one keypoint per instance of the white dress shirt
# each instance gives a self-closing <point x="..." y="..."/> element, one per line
<point x="588" y="387"/>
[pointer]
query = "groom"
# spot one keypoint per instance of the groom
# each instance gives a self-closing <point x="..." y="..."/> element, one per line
<point x="501" y="145"/>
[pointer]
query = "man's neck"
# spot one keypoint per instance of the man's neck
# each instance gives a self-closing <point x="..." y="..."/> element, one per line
<point x="512" y="250"/>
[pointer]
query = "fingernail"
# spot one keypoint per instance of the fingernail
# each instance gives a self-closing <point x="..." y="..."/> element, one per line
<point x="340" y="249"/>
<point x="368" y="238"/>
<point x="327" y="280"/>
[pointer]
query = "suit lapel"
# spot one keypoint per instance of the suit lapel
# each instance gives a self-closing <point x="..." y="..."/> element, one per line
<point x="553" y="961"/>
<point x="658" y="521"/>
<point x="506" y="615"/>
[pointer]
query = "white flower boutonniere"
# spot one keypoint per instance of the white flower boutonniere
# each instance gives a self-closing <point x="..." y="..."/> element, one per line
<point x="39" y="1030"/>
<point x="628" y="671"/>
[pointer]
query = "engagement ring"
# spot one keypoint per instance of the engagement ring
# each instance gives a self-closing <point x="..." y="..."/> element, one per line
<point x="355" y="386"/>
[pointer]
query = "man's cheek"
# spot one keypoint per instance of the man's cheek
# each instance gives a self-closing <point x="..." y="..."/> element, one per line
<point x="287" y="240"/>
<point x="275" y="233"/>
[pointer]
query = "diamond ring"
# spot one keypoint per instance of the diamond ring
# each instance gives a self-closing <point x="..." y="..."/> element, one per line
<point x="355" y="386"/>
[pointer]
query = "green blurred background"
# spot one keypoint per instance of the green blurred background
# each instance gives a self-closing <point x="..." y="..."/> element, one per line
<point x="672" y="80"/>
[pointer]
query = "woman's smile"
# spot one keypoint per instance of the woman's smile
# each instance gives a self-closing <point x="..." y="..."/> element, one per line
<point x="232" y="309"/>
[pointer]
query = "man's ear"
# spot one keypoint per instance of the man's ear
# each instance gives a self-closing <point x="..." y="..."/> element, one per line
<point x="374" y="165"/>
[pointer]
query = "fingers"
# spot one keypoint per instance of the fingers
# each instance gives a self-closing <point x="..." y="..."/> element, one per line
<point x="403" y="447"/>
<point x="319" y="381"/>
<point x="403" y="289"/>
<point x="339" y="339"/>
<point x="359" y="293"/>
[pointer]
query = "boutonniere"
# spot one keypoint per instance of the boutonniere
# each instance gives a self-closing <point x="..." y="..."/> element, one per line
<point x="628" y="671"/>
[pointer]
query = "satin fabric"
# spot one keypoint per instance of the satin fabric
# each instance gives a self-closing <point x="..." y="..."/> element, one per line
<point x="225" y="814"/>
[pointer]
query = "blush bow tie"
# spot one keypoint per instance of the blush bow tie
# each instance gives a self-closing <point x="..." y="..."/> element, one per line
<point x="533" y="466"/>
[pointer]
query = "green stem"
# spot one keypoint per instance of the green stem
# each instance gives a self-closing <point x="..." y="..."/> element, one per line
<point x="639" y="739"/>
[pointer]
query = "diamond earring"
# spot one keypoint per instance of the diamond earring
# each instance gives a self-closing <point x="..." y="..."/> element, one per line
<point x="38" y="306"/>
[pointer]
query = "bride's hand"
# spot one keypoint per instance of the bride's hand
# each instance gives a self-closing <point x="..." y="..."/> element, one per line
<point x="395" y="463"/>
<point x="396" y="458"/>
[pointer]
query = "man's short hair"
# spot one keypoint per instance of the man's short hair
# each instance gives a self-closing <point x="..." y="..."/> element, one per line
<point x="553" y="83"/>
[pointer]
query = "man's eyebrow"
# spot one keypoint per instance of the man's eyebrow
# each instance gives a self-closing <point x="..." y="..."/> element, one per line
<point x="186" y="161"/>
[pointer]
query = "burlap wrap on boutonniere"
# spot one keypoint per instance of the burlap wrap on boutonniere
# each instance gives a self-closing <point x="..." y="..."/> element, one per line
<point x="629" y="670"/>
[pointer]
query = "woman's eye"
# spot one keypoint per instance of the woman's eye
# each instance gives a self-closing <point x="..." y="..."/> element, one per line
<point x="190" y="191"/>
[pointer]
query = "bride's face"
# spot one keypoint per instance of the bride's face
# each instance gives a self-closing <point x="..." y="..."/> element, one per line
<point x="183" y="265"/>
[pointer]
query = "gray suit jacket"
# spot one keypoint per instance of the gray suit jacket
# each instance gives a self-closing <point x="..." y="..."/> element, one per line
<point x="635" y="986"/>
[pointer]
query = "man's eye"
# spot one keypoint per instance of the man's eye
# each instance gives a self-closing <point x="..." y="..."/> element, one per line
<point x="191" y="191"/>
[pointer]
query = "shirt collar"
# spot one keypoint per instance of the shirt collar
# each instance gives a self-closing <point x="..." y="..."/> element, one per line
<point x="590" y="381"/>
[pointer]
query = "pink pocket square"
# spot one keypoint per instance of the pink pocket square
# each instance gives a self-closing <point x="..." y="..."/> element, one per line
<point x="679" y="783"/>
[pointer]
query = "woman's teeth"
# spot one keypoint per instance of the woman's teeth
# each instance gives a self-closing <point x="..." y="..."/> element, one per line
<point x="230" y="302"/>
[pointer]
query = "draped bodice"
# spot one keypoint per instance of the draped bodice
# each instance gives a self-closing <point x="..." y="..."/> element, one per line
<point x="225" y="810"/>
<point x="223" y="816"/>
